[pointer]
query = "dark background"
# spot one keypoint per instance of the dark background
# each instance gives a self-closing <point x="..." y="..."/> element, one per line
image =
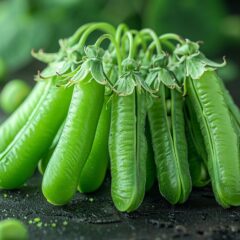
<point x="28" y="24"/>
<point x="34" y="24"/>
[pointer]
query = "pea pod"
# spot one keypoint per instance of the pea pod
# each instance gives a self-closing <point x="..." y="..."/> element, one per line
<point x="198" y="169"/>
<point x="13" y="94"/>
<point x="170" y="147"/>
<point x="150" y="164"/>
<point x="128" y="150"/>
<point x="19" y="159"/>
<point x="16" y="121"/>
<point x="63" y="170"/>
<point x="94" y="170"/>
<point x="195" y="132"/>
<point x="221" y="141"/>
<point x="42" y="165"/>
<point x="232" y="107"/>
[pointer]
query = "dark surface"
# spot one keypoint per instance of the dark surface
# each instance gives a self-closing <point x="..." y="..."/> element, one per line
<point x="94" y="216"/>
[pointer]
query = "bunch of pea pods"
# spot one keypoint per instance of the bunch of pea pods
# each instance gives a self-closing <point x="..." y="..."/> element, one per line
<point x="151" y="106"/>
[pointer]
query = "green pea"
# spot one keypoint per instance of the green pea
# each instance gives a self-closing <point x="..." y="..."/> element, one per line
<point x="194" y="131"/>
<point x="12" y="229"/>
<point x="128" y="150"/>
<point x="19" y="159"/>
<point x="10" y="128"/>
<point x="168" y="106"/>
<point x="150" y="164"/>
<point x="233" y="108"/>
<point x="13" y="94"/>
<point x="42" y="165"/>
<point x="62" y="174"/>
<point x="198" y="169"/>
<point x="94" y="170"/>
<point x="207" y="98"/>
<point x="170" y="147"/>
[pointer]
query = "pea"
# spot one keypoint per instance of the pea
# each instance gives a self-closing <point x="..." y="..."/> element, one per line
<point x="221" y="141"/>
<point x="10" y="128"/>
<point x="95" y="168"/>
<point x="19" y="159"/>
<point x="63" y="170"/>
<point x="170" y="147"/>
<point x="232" y="107"/>
<point x="150" y="164"/>
<point x="13" y="94"/>
<point x="197" y="166"/>
<point x="194" y="131"/>
<point x="12" y="229"/>
<point x="42" y="165"/>
<point x="128" y="150"/>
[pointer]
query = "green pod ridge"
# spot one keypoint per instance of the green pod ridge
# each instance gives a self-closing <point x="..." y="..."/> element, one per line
<point x="198" y="170"/>
<point x="170" y="147"/>
<point x="42" y="164"/>
<point x="10" y="128"/>
<point x="95" y="168"/>
<point x="150" y="164"/>
<point x="221" y="140"/>
<point x="195" y="132"/>
<point x="128" y="150"/>
<point x="19" y="159"/>
<point x="232" y="107"/>
<point x="62" y="174"/>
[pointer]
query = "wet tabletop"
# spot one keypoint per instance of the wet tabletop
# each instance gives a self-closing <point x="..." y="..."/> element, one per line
<point x="93" y="216"/>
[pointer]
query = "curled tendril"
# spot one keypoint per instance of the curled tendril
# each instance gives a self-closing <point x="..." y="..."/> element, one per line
<point x="72" y="63"/>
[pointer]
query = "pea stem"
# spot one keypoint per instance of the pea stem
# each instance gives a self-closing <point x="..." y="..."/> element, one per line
<point x="172" y="36"/>
<point x="114" y="42"/>
<point x="105" y="27"/>
<point x="131" y="45"/>
<point x="139" y="39"/>
<point x="75" y="37"/>
<point x="122" y="28"/>
<point x="154" y="36"/>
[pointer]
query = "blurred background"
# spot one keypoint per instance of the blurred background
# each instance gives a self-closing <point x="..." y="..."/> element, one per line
<point x="34" y="24"/>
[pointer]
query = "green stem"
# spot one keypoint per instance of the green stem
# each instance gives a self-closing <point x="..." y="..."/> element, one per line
<point x="139" y="39"/>
<point x="75" y="37"/>
<point x="122" y="28"/>
<point x="154" y="36"/>
<point x="172" y="36"/>
<point x="131" y="45"/>
<point x="105" y="27"/>
<point x="164" y="41"/>
<point x="117" y="48"/>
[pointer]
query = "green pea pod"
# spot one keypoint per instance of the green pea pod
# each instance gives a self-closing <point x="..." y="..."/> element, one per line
<point x="10" y="128"/>
<point x="236" y="129"/>
<point x="94" y="170"/>
<point x="19" y="159"/>
<point x="128" y="150"/>
<point x="221" y="141"/>
<point x="42" y="164"/>
<point x="195" y="132"/>
<point x="233" y="108"/>
<point x="13" y="94"/>
<point x="170" y="147"/>
<point x="62" y="174"/>
<point x="198" y="169"/>
<point x="150" y="164"/>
